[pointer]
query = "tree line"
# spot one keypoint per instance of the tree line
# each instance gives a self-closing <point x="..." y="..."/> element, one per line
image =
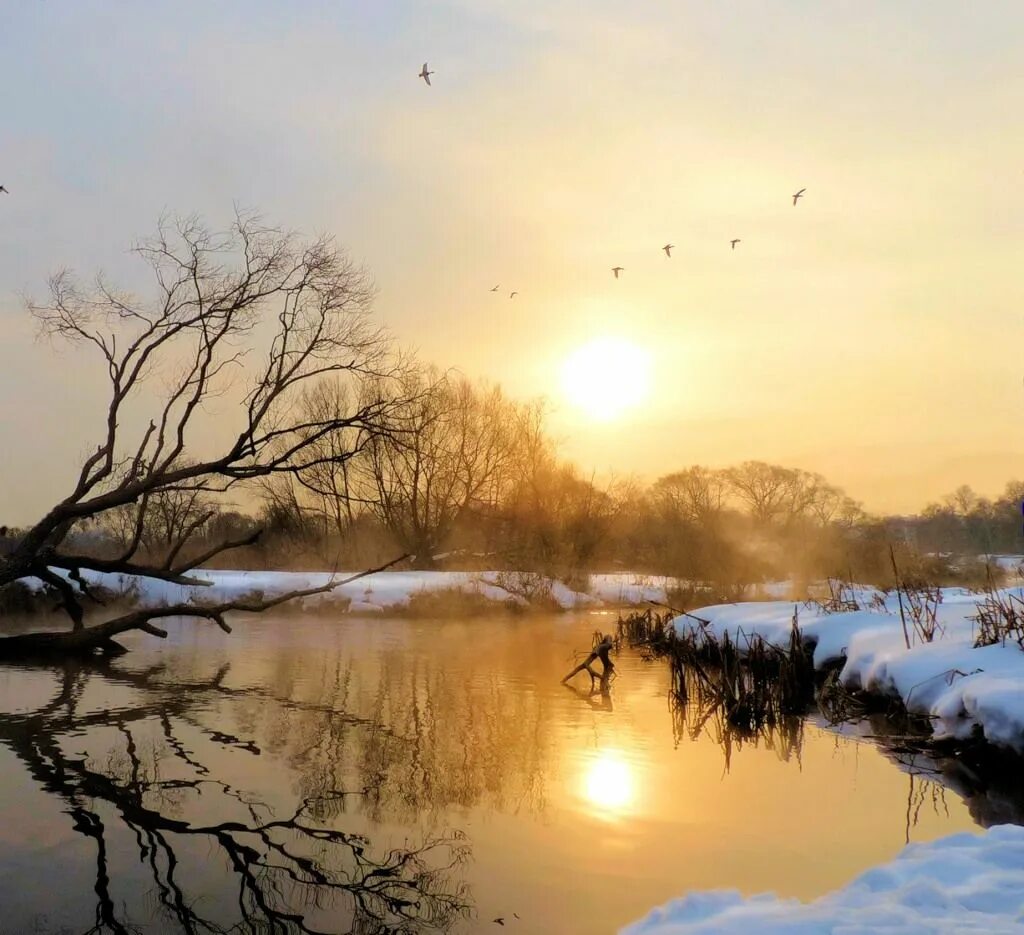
<point x="457" y="475"/>
<point x="339" y="451"/>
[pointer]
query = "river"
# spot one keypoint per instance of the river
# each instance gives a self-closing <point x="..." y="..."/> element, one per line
<point x="310" y="773"/>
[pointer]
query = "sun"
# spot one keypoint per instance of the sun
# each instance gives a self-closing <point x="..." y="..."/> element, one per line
<point x="606" y="377"/>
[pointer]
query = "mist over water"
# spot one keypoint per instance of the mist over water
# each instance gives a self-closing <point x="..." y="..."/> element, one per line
<point x="445" y="752"/>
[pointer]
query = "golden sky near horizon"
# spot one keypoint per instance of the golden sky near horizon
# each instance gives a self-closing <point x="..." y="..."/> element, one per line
<point x="870" y="332"/>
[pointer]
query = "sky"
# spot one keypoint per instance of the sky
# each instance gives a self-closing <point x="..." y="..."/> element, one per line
<point x="872" y="332"/>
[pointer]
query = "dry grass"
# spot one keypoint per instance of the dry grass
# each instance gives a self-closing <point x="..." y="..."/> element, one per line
<point x="1000" y="618"/>
<point x="754" y="686"/>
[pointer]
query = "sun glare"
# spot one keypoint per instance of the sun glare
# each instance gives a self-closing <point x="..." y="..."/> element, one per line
<point x="606" y="377"/>
<point x="608" y="783"/>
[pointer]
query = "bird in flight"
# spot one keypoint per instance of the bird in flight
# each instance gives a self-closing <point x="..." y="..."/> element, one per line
<point x="425" y="75"/>
<point x="4" y="190"/>
<point x="495" y="289"/>
<point x="668" y="249"/>
<point x="617" y="269"/>
<point x="512" y="295"/>
<point x="734" y="242"/>
<point x="796" y="197"/>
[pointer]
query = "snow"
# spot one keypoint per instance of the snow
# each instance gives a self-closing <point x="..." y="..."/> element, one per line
<point x="389" y="590"/>
<point x="963" y="689"/>
<point x="1008" y="563"/>
<point x="630" y="589"/>
<point x="962" y="883"/>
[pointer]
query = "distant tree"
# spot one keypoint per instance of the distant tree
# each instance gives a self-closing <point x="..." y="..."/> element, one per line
<point x="767" y="490"/>
<point x="963" y="500"/>
<point x="218" y="297"/>
<point x="449" y="453"/>
<point x="696" y="494"/>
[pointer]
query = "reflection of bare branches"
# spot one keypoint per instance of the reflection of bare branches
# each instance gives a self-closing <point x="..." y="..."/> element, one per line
<point x="419" y="740"/>
<point x="920" y="792"/>
<point x="296" y="873"/>
<point x="696" y="711"/>
<point x="986" y="777"/>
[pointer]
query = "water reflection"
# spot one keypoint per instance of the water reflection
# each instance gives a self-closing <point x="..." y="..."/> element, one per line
<point x="333" y="775"/>
<point x="987" y="779"/>
<point x="608" y="784"/>
<point x="211" y="857"/>
<point x="697" y="712"/>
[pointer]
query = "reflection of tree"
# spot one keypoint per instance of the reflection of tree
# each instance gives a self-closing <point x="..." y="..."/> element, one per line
<point x="416" y="738"/>
<point x="599" y="696"/>
<point x="986" y="777"/>
<point x="200" y="837"/>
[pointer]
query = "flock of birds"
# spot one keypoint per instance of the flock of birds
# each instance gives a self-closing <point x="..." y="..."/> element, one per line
<point x="425" y="74"/>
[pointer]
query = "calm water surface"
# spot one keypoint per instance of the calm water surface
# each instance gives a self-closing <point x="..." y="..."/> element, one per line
<point x="311" y="774"/>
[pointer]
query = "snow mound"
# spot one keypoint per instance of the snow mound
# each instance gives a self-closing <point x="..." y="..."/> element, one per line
<point x="963" y="689"/>
<point x="963" y="883"/>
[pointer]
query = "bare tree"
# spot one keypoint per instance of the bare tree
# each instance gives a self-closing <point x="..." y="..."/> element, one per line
<point x="171" y="517"/>
<point x="220" y="297"/>
<point x="761" y="487"/>
<point x="450" y="452"/>
<point x="963" y="500"/>
<point x="329" y="486"/>
<point x="781" y="495"/>
<point x="696" y="494"/>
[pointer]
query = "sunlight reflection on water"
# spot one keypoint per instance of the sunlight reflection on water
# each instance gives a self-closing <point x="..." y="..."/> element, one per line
<point x="445" y="753"/>
<point x="609" y="784"/>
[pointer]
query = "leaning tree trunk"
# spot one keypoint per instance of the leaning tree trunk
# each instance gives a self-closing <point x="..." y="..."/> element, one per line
<point x="85" y="641"/>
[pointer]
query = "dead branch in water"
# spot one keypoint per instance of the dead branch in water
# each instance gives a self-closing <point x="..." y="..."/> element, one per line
<point x="601" y="651"/>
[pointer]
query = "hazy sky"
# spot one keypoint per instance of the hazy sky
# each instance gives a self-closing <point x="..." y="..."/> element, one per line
<point x="873" y="332"/>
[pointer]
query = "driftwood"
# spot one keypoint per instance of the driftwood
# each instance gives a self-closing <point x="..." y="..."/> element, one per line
<point x="601" y="651"/>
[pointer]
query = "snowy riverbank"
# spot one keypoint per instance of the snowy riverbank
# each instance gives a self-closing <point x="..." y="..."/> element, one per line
<point x="963" y="689"/>
<point x="392" y="590"/>
<point x="963" y="883"/>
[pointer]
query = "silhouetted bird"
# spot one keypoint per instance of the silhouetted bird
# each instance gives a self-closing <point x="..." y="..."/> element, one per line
<point x="512" y="295"/>
<point x="4" y="190"/>
<point x="668" y="249"/>
<point x="499" y="920"/>
<point x="734" y="242"/>
<point x="495" y="289"/>
<point x="796" y="197"/>
<point x="617" y="269"/>
<point x="425" y="75"/>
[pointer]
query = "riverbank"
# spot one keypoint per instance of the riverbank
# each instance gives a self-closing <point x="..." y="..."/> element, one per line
<point x="394" y="592"/>
<point x="920" y="650"/>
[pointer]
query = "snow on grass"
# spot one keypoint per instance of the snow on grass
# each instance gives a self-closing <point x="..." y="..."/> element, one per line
<point x="963" y="883"/>
<point x="962" y="688"/>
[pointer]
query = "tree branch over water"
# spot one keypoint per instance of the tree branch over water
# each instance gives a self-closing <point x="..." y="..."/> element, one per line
<point x="218" y="300"/>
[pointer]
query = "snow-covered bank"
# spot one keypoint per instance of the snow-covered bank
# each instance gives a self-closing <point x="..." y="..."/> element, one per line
<point x="961" y="688"/>
<point x="391" y="590"/>
<point x="963" y="883"/>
